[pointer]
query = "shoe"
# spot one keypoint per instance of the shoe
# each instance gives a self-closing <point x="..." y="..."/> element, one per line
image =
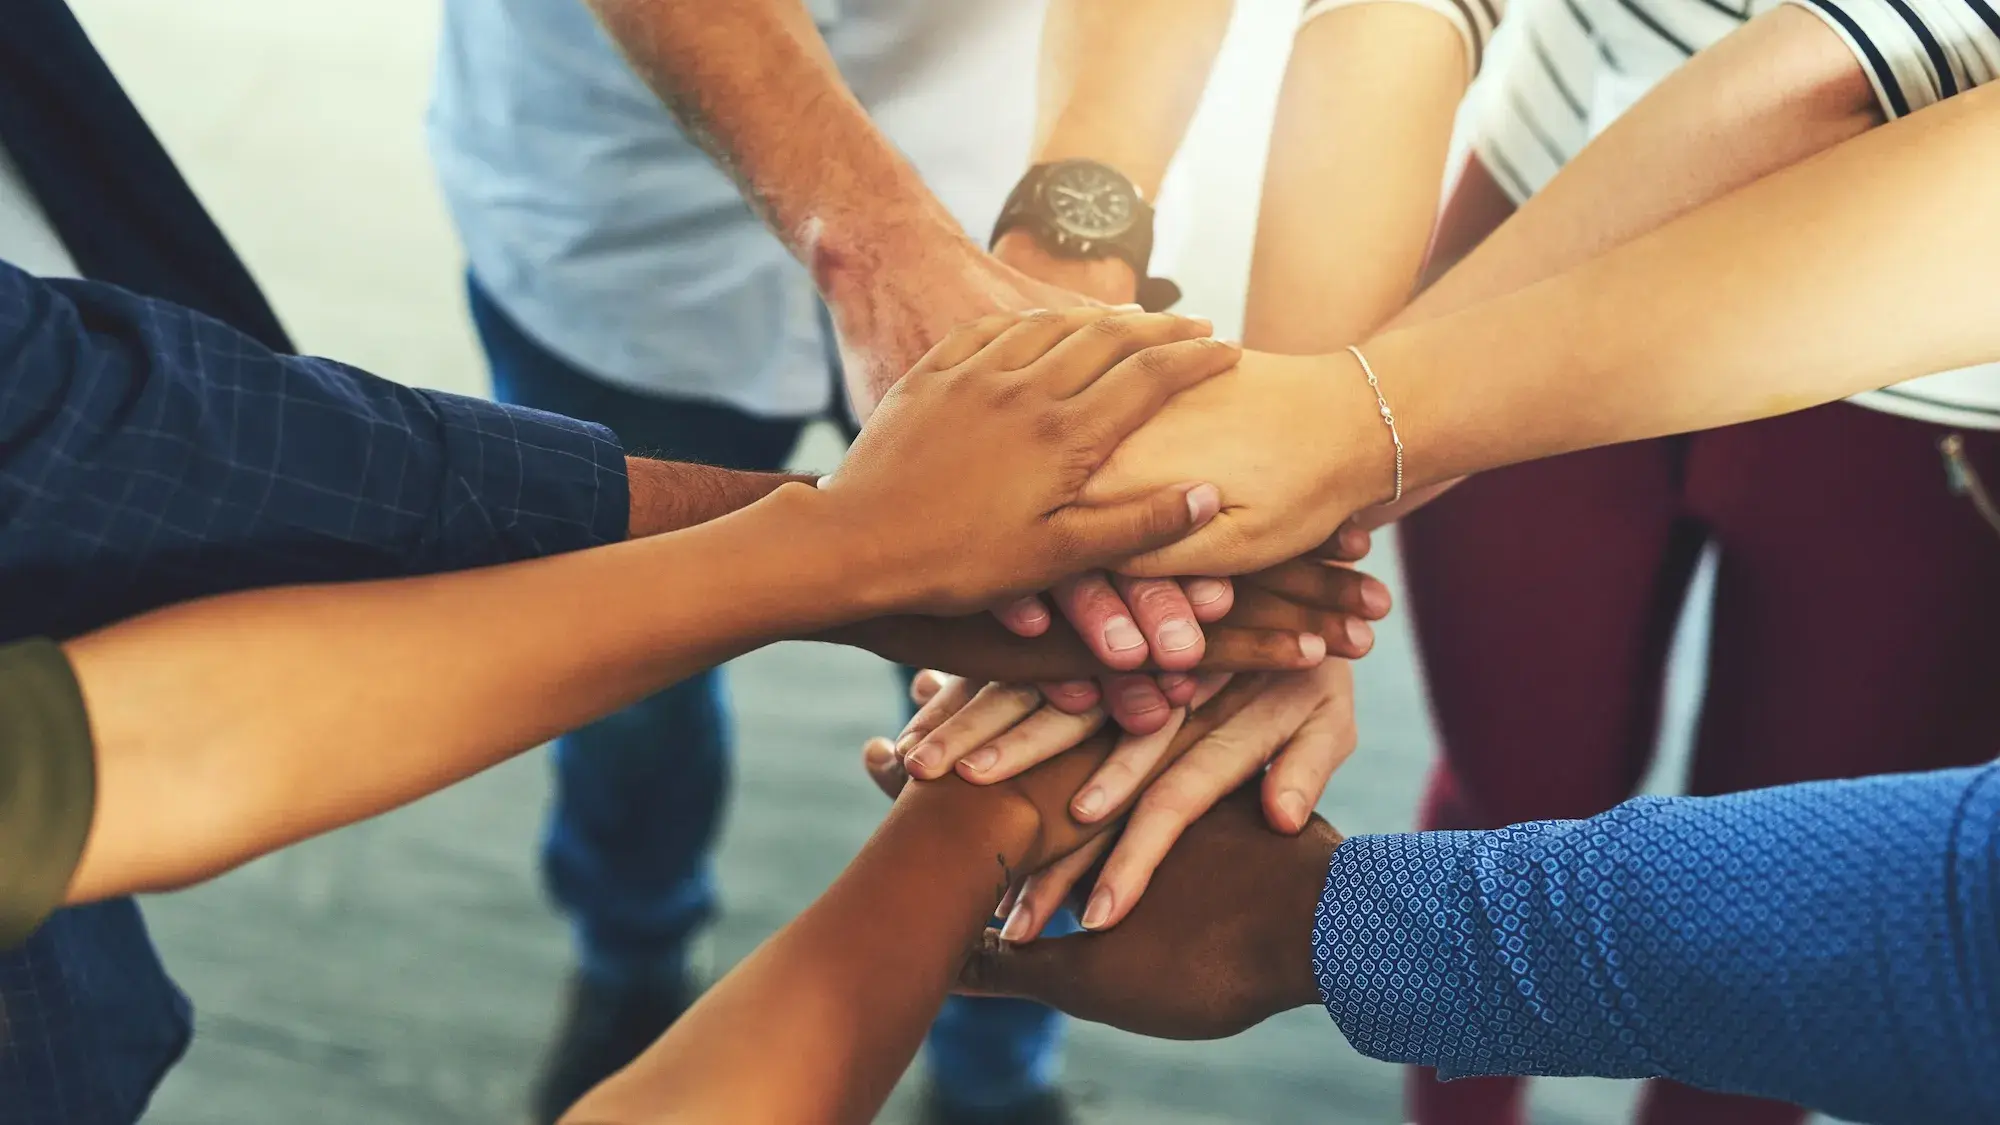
<point x="603" y="1028"/>
<point x="1050" y="1107"/>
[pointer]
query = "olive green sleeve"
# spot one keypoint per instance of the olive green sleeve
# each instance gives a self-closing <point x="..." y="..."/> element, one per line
<point x="48" y="783"/>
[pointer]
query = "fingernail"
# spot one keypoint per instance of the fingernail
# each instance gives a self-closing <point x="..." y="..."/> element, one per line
<point x="1099" y="910"/>
<point x="908" y="740"/>
<point x="981" y="760"/>
<point x="1028" y="611"/>
<point x="1018" y="921"/>
<point x="1171" y="682"/>
<point x="1142" y="698"/>
<point x="1312" y="646"/>
<point x="1134" y="307"/>
<point x="1293" y="804"/>
<point x="1206" y="324"/>
<point x="1178" y="636"/>
<point x="822" y="482"/>
<point x="1359" y="634"/>
<point x="1120" y="635"/>
<point x="879" y="753"/>
<point x="923" y="759"/>
<point x="1090" y="802"/>
<point x="1206" y="591"/>
<point x="1203" y="502"/>
<point x="1354" y="542"/>
<point x="1375" y="597"/>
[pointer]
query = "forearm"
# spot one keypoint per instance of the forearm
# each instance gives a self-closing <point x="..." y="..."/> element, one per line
<point x="231" y="727"/>
<point x="1350" y="193"/>
<point x="673" y="495"/>
<point x="1779" y="90"/>
<point x="1119" y="83"/>
<point x="1833" y="944"/>
<point x="1857" y="268"/>
<point x="816" y="1025"/>
<point x="752" y="82"/>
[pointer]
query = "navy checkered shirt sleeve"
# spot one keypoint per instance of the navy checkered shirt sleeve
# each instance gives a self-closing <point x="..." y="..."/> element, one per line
<point x="1835" y="944"/>
<point x="149" y="454"/>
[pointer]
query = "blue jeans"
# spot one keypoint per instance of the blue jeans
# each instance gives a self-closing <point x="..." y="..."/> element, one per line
<point x="627" y="853"/>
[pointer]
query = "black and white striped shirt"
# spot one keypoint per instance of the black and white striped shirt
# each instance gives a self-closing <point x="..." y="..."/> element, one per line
<point x="1552" y="74"/>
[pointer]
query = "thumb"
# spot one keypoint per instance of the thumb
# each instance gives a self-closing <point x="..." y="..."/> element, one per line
<point x="1043" y="971"/>
<point x="885" y="769"/>
<point x="1104" y="534"/>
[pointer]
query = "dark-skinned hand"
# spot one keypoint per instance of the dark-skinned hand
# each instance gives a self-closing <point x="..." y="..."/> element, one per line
<point x="1221" y="942"/>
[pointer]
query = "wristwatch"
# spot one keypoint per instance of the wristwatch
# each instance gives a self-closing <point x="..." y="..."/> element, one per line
<point x="1084" y="209"/>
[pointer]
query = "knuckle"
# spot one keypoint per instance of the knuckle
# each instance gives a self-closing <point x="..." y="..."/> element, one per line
<point x="1046" y="319"/>
<point x="1019" y="699"/>
<point x="1116" y="327"/>
<point x="1177" y="798"/>
<point x="1156" y="361"/>
<point x="1002" y="393"/>
<point x="1160" y="596"/>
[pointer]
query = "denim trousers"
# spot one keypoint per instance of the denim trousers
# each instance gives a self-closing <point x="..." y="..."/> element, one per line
<point x="627" y="850"/>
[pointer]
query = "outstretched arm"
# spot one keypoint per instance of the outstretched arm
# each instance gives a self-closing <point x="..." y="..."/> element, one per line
<point x="1834" y="944"/>
<point x="230" y="727"/>
<point x="816" y="1025"/>
<point x="1860" y="267"/>
<point x="752" y="82"/>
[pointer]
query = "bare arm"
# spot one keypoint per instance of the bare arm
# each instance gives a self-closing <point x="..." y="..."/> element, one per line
<point x="1357" y="157"/>
<point x="1780" y="89"/>
<point x="817" y="1024"/>
<point x="1118" y="84"/>
<point x="1860" y="267"/>
<point x="233" y="726"/>
<point x="753" y="83"/>
<point x="1770" y="94"/>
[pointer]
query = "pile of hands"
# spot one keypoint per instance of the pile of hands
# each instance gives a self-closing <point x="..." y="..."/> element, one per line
<point x="1171" y="736"/>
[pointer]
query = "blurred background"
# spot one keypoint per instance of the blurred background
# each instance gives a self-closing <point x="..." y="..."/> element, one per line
<point x="408" y="970"/>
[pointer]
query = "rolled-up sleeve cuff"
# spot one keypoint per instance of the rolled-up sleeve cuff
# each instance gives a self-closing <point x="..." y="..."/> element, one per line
<point x="1916" y="53"/>
<point x="523" y="483"/>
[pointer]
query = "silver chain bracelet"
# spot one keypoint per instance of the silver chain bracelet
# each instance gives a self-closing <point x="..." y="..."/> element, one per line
<point x="1388" y="417"/>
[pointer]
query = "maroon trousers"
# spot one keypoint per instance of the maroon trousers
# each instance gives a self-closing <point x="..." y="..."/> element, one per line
<point x="1856" y="631"/>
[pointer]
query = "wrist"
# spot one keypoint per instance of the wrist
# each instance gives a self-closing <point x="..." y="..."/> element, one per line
<point x="888" y="258"/>
<point x="1107" y="278"/>
<point x="832" y="558"/>
<point x="671" y="496"/>
<point x="1289" y="948"/>
<point x="1364" y="474"/>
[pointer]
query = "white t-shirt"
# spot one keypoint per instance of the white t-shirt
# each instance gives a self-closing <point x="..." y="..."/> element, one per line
<point x="1552" y="74"/>
<point x="26" y="238"/>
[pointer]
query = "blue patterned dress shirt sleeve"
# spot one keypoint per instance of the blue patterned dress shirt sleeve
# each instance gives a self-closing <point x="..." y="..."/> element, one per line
<point x="1833" y="944"/>
<point x="149" y="454"/>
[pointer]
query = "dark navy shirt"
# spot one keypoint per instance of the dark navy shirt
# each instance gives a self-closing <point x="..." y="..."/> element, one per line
<point x="150" y="454"/>
<point x="1835" y="945"/>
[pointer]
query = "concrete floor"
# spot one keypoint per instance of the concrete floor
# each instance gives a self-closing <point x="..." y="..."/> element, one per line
<point x="406" y="970"/>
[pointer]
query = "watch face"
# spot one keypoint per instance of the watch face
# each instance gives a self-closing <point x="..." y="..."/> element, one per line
<point x="1089" y="200"/>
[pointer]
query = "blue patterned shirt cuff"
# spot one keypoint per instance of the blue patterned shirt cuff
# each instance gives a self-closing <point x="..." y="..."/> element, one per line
<point x="524" y="483"/>
<point x="1390" y="943"/>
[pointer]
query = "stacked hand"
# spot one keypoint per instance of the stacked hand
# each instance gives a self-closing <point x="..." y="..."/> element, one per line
<point x="991" y="732"/>
<point x="1296" y="444"/>
<point x="964" y="486"/>
<point x="1221" y="943"/>
<point x="1128" y="623"/>
<point x="1282" y="620"/>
